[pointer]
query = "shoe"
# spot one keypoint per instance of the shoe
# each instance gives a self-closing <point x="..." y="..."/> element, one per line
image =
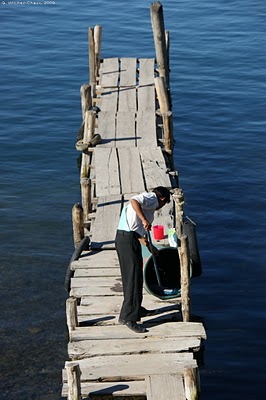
<point x="135" y="327"/>
<point x="146" y="313"/>
<point x="122" y="321"/>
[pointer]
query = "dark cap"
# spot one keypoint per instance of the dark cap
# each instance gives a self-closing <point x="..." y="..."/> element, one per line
<point x="162" y="191"/>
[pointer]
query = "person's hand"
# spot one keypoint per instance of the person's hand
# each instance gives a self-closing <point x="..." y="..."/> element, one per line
<point x="146" y="224"/>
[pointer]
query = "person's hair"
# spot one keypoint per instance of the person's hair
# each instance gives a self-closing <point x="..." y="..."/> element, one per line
<point x="162" y="191"/>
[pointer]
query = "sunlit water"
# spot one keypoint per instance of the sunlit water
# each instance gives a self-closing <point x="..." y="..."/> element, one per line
<point x="218" y="88"/>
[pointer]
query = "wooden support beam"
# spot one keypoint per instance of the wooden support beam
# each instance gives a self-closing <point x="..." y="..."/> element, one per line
<point x="92" y="72"/>
<point x="192" y="383"/>
<point x="157" y="19"/>
<point x="185" y="278"/>
<point x="71" y="315"/>
<point x="73" y="380"/>
<point x="178" y="197"/>
<point x="77" y="221"/>
<point x="86" y="100"/>
<point x="97" y="46"/>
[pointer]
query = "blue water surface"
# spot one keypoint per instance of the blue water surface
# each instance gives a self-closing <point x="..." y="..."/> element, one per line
<point x="217" y="58"/>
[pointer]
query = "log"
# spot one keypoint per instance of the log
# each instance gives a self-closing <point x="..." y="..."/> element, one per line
<point x="168" y="132"/>
<point x="86" y="197"/>
<point x="73" y="380"/>
<point x="179" y="205"/>
<point x="86" y="100"/>
<point x="157" y="20"/>
<point x="97" y="44"/>
<point x="185" y="278"/>
<point x="162" y="94"/>
<point x="77" y="221"/>
<point x="92" y="65"/>
<point x="192" y="383"/>
<point x="71" y="315"/>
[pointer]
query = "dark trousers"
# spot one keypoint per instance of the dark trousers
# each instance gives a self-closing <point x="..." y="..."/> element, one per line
<point x="129" y="253"/>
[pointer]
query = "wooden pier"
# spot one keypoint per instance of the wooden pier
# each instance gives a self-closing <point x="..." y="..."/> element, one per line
<point x="126" y="144"/>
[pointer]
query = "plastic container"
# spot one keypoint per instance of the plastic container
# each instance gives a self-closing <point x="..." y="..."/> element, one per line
<point x="158" y="232"/>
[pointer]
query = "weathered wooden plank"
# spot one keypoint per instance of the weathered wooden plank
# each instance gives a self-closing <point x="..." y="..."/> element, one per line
<point x="109" y="390"/>
<point x="115" y="367"/>
<point x="127" y="99"/>
<point x="95" y="280"/>
<point x="106" y="221"/>
<point x="169" y="329"/>
<point x="146" y="130"/>
<point x="108" y="100"/>
<point x="165" y="386"/>
<point x="128" y="68"/>
<point x="131" y="178"/>
<point x="92" y="348"/>
<point x="106" y="128"/>
<point x="146" y="71"/>
<point x="98" y="290"/>
<point x="154" y="167"/>
<point x="125" y="129"/>
<point x="97" y="272"/>
<point x="107" y="172"/>
<point x="109" y="72"/>
<point x="96" y="259"/>
<point x="146" y="98"/>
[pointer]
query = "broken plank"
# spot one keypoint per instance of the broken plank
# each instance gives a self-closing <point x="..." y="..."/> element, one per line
<point x="154" y="167"/>
<point x="107" y="171"/>
<point x="165" y="386"/>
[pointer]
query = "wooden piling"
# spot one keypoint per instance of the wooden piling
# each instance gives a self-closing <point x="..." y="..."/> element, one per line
<point x="97" y="46"/>
<point x="191" y="383"/>
<point x="178" y="197"/>
<point x="185" y="278"/>
<point x="73" y="380"/>
<point x="86" y="100"/>
<point x="92" y="65"/>
<point x="156" y="11"/>
<point x="71" y="315"/>
<point x="78" y="225"/>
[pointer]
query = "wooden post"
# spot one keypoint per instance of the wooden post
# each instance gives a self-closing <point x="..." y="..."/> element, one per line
<point x="185" y="278"/>
<point x="73" y="381"/>
<point x="192" y="383"/>
<point x="157" y="20"/>
<point x="86" y="100"/>
<point x="165" y="112"/>
<point x="71" y="315"/>
<point x="78" y="224"/>
<point x="178" y="197"/>
<point x="92" y="61"/>
<point x="86" y="197"/>
<point x="98" y="45"/>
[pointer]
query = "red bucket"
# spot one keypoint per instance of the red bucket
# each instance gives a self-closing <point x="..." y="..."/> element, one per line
<point x="158" y="232"/>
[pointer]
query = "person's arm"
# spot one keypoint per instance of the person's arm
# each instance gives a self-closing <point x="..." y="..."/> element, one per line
<point x="138" y="210"/>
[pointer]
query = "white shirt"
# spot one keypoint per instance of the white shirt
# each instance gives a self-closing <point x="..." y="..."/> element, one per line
<point x="129" y="221"/>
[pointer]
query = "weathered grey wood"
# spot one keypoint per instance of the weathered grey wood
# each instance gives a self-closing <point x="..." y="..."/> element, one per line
<point x="108" y="99"/>
<point x="169" y="329"/>
<point x="97" y="272"/>
<point x="107" y="171"/>
<point x="146" y="98"/>
<point x="98" y="290"/>
<point x="109" y="73"/>
<point x="97" y="34"/>
<point x="110" y="389"/>
<point x="115" y="367"/>
<point x="125" y="129"/>
<point x="131" y="178"/>
<point x="127" y="101"/>
<point x="154" y="167"/>
<point x="86" y="100"/>
<point x="106" y="221"/>
<point x="92" y="348"/>
<point x="157" y="20"/>
<point x="71" y="314"/>
<point x="146" y="130"/>
<point x="185" y="278"/>
<point x="106" y="128"/>
<point x="77" y="222"/>
<point x="192" y="384"/>
<point x="92" y="72"/>
<point x="96" y="259"/>
<point x="95" y="280"/>
<point x="146" y="71"/>
<point x="128" y="72"/>
<point x="165" y="386"/>
<point x="73" y="379"/>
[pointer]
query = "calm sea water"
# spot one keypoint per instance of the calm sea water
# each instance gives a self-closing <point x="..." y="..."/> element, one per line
<point x="218" y="88"/>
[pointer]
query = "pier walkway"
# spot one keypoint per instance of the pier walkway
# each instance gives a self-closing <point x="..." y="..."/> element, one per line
<point x="130" y="155"/>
